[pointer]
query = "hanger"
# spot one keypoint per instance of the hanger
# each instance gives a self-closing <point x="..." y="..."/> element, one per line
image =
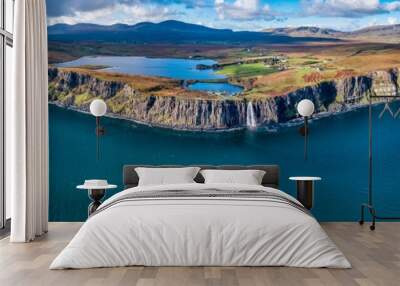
<point x="397" y="114"/>
<point x="387" y="108"/>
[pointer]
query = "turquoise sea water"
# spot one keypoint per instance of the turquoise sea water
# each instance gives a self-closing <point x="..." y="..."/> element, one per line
<point x="338" y="152"/>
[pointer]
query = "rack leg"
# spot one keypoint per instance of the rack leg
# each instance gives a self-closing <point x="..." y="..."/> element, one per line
<point x="361" y="221"/>
<point x="373" y="213"/>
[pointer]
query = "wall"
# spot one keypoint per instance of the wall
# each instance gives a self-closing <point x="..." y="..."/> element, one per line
<point x="148" y="73"/>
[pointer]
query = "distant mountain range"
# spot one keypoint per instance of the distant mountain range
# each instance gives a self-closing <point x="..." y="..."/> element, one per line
<point x="179" y="32"/>
<point x="381" y="33"/>
<point x="170" y="25"/>
<point x="306" y="32"/>
<point x="167" y="32"/>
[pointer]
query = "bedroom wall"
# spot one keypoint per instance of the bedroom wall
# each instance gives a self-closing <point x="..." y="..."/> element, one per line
<point x="182" y="92"/>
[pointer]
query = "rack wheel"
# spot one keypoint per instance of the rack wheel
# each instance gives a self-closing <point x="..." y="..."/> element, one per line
<point x="372" y="227"/>
<point x="361" y="222"/>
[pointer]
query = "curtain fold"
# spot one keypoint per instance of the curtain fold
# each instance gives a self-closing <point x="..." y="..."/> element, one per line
<point x="27" y="124"/>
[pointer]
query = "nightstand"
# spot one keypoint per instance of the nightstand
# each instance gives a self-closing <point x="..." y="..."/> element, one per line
<point x="305" y="190"/>
<point x="96" y="191"/>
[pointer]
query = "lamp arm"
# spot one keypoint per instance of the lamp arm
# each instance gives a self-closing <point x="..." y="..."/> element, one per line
<point x="305" y="136"/>
<point x="100" y="131"/>
<point x="97" y="125"/>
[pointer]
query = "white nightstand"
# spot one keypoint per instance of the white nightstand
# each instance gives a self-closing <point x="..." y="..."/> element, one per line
<point x="305" y="190"/>
<point x="96" y="191"/>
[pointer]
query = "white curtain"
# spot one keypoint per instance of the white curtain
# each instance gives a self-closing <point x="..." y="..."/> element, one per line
<point x="27" y="124"/>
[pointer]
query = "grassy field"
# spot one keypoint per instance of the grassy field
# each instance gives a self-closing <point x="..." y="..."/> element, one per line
<point x="246" y="70"/>
<point x="140" y="83"/>
<point x="68" y="51"/>
<point x="157" y="86"/>
<point x="308" y="66"/>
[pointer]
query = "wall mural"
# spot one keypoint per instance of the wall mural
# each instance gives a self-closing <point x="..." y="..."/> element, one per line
<point x="217" y="82"/>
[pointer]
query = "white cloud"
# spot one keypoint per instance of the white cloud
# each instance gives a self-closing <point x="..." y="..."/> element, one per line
<point x="392" y="20"/>
<point x="392" y="6"/>
<point x="348" y="8"/>
<point x="243" y="10"/>
<point x="154" y="13"/>
<point x="82" y="17"/>
<point x="121" y="13"/>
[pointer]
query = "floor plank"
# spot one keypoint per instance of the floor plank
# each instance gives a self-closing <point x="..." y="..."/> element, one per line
<point x="375" y="257"/>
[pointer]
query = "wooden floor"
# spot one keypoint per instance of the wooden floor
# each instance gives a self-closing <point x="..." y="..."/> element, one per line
<point x="375" y="257"/>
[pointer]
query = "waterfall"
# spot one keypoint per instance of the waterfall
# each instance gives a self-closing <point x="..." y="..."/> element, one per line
<point x="250" y="116"/>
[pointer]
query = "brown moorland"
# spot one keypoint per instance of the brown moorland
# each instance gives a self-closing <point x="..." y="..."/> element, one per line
<point x="304" y="65"/>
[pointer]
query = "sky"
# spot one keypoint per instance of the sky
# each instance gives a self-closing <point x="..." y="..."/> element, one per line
<point x="254" y="15"/>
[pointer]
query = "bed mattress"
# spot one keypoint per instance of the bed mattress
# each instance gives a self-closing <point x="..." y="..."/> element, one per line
<point x="201" y="225"/>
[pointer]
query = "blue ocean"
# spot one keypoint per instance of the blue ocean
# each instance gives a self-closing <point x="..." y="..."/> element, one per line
<point x="338" y="152"/>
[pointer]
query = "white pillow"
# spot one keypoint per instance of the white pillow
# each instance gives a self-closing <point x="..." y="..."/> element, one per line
<point x="166" y="176"/>
<point x="248" y="177"/>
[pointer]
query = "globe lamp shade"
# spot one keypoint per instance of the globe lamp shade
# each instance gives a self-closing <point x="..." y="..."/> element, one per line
<point x="98" y="107"/>
<point x="305" y="108"/>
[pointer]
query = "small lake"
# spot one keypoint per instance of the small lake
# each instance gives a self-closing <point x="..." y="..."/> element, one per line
<point x="226" y="88"/>
<point x="164" y="67"/>
<point x="183" y="69"/>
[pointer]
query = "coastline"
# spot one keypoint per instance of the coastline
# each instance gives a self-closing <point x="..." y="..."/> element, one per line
<point x="116" y="116"/>
<point x="271" y="128"/>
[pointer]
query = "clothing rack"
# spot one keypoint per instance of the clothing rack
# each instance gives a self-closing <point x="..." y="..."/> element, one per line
<point x="370" y="206"/>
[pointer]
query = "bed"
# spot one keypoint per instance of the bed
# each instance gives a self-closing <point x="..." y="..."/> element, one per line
<point x="199" y="224"/>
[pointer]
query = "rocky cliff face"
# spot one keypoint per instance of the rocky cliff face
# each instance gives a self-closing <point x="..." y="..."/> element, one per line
<point x="73" y="89"/>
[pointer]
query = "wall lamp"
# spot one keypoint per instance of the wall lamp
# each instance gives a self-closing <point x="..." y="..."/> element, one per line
<point x="98" y="108"/>
<point x="305" y="108"/>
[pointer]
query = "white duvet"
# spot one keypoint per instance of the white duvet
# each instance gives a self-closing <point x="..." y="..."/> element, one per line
<point x="203" y="232"/>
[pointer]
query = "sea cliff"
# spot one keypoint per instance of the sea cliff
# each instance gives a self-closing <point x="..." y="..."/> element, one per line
<point x="180" y="110"/>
